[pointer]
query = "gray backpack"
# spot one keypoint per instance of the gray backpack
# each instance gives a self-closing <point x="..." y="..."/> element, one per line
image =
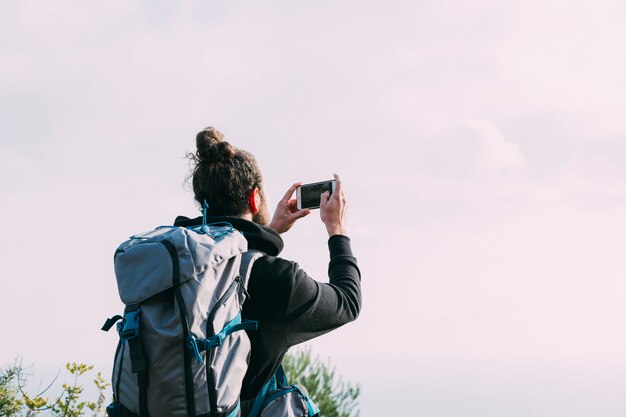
<point x="278" y="398"/>
<point x="182" y="351"/>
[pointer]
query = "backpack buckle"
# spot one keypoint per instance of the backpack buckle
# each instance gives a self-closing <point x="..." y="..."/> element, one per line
<point x="192" y="343"/>
<point x="130" y="328"/>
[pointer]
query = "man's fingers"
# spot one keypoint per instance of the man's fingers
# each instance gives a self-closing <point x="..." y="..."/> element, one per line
<point x="290" y="191"/>
<point x="324" y="199"/>
<point x="338" y="184"/>
<point x="292" y="205"/>
<point x="300" y="214"/>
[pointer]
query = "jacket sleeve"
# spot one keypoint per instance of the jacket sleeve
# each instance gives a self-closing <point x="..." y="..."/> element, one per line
<point x="315" y="308"/>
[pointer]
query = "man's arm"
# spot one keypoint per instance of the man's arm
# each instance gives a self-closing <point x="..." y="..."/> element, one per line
<point x="315" y="308"/>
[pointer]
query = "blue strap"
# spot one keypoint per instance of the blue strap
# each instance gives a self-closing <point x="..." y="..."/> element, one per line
<point x="235" y="412"/>
<point x="313" y="408"/>
<point x="281" y="378"/>
<point x="278" y="380"/>
<point x="205" y="206"/>
<point x="205" y="227"/>
<point x="235" y="325"/>
<point x="215" y="235"/>
<point x="278" y="394"/>
<point x="258" y="402"/>
<point x="273" y="386"/>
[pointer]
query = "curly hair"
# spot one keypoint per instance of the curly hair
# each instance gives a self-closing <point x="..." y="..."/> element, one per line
<point x="222" y="175"/>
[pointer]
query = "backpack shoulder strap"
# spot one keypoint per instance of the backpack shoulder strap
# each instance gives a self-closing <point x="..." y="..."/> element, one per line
<point x="247" y="261"/>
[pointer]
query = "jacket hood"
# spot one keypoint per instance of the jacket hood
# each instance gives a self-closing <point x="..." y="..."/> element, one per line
<point x="259" y="237"/>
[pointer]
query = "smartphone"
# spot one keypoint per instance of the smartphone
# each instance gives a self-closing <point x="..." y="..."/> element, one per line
<point x="308" y="196"/>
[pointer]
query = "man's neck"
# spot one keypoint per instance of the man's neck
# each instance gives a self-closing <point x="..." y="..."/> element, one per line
<point x="246" y="216"/>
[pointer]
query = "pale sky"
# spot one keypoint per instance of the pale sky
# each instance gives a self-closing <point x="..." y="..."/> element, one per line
<point x="482" y="145"/>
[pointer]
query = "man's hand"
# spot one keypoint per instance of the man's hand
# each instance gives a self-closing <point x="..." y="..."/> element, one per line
<point x="333" y="209"/>
<point x="287" y="212"/>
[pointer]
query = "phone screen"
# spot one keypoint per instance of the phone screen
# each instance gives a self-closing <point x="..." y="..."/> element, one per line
<point x="310" y="194"/>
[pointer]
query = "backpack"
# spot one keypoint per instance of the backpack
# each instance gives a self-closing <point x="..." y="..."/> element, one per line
<point x="278" y="398"/>
<point x="182" y="351"/>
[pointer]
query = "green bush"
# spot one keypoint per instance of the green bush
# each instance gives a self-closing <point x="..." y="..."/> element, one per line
<point x="334" y="397"/>
<point x="10" y="402"/>
<point x="15" y="401"/>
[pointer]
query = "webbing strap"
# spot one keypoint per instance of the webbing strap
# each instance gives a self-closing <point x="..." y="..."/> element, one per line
<point x="236" y="411"/>
<point x="138" y="362"/>
<point x="278" y="393"/>
<point x="142" y="382"/>
<point x="258" y="403"/>
<point x="110" y="322"/>
<point x="235" y="325"/>
<point x="281" y="378"/>
<point x="313" y="408"/>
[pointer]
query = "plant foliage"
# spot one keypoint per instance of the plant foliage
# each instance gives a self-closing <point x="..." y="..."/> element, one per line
<point x="15" y="401"/>
<point x="334" y="397"/>
<point x="10" y="402"/>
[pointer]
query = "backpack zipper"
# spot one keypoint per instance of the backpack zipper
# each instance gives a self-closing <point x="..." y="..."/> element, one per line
<point x="220" y="303"/>
<point x="246" y="294"/>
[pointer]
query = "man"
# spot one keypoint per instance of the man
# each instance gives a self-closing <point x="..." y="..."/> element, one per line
<point x="290" y="306"/>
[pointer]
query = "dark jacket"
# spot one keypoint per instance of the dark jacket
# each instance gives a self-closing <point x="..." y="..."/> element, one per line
<point x="290" y="306"/>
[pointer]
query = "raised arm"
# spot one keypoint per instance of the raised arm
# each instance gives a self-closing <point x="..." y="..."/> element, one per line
<point x="316" y="308"/>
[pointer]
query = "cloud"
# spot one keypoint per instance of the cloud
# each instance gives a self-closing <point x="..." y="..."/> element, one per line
<point x="496" y="151"/>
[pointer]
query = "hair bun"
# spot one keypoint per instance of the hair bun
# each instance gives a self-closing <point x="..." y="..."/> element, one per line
<point x="211" y="147"/>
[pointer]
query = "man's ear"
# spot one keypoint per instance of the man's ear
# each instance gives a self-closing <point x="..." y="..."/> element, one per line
<point x="254" y="201"/>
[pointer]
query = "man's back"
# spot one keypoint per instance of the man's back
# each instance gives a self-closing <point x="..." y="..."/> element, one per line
<point x="290" y="306"/>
